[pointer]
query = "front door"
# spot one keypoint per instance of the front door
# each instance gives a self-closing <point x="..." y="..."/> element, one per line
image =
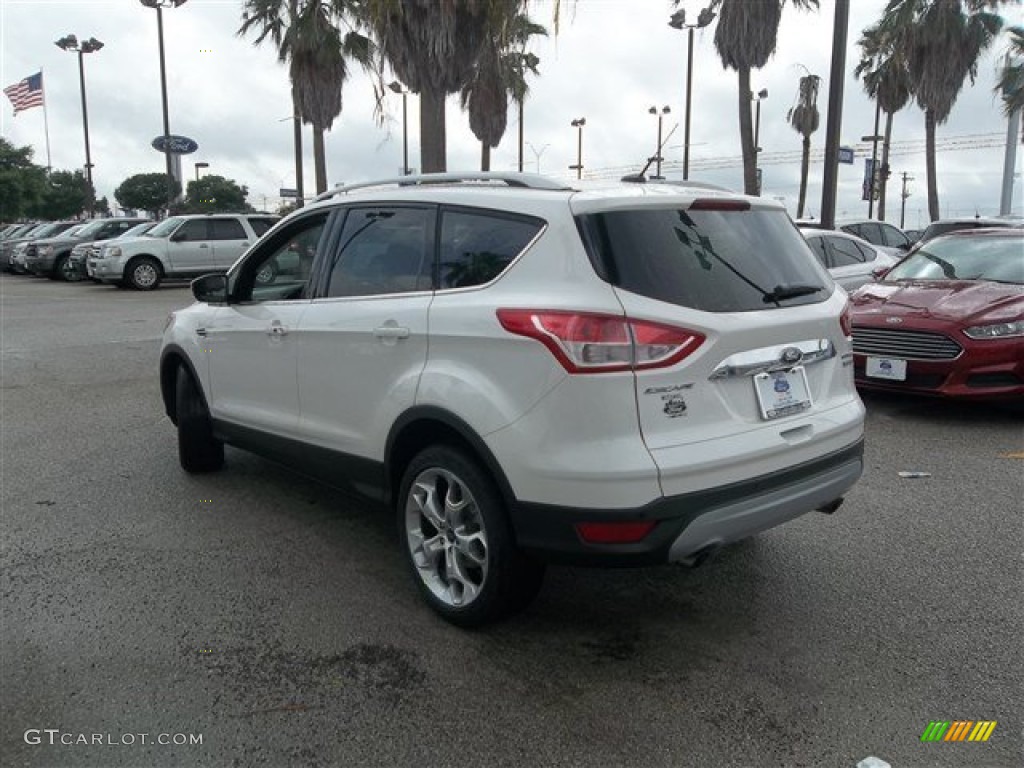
<point x="189" y="249"/>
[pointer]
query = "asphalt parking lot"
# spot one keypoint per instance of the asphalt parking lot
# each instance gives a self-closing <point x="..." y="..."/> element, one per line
<point x="271" y="616"/>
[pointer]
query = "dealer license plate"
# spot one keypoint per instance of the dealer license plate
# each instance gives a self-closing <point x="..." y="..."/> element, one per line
<point x="886" y="368"/>
<point x="782" y="393"/>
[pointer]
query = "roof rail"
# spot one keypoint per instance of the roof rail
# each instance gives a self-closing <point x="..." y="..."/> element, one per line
<point x="519" y="180"/>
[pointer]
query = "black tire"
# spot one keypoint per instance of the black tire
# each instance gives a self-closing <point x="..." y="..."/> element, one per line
<point x="59" y="266"/>
<point x="507" y="581"/>
<point x="143" y="273"/>
<point x="198" y="450"/>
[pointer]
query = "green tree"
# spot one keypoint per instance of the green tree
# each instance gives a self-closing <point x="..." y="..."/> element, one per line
<point x="1011" y="75"/>
<point x="317" y="41"/>
<point x="65" y="195"/>
<point x="145" y="192"/>
<point x="500" y="73"/>
<point x="942" y="41"/>
<point x="101" y="207"/>
<point x="434" y="47"/>
<point x="214" y="194"/>
<point x="883" y="71"/>
<point x="745" y="38"/>
<point x="805" y="119"/>
<point x="21" y="182"/>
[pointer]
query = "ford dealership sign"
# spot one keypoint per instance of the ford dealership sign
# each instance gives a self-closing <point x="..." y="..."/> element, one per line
<point x="176" y="145"/>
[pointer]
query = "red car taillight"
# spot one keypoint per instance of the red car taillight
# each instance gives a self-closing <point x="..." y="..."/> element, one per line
<point x="614" y="533"/>
<point x="586" y="342"/>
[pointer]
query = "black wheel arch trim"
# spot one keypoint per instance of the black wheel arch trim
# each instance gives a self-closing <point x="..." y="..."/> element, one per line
<point x="170" y="358"/>
<point x="424" y="413"/>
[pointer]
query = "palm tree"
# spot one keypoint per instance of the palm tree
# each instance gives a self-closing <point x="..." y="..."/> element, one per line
<point x="942" y="41"/>
<point x="434" y="47"/>
<point x="309" y="37"/>
<point x="500" y="73"/>
<point x="804" y="118"/>
<point x="745" y="39"/>
<point x="883" y="69"/>
<point x="1011" y="77"/>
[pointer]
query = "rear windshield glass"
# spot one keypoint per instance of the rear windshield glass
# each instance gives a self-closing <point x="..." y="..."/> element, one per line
<point x="715" y="261"/>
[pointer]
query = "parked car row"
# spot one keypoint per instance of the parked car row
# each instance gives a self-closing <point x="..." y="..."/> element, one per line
<point x="132" y="252"/>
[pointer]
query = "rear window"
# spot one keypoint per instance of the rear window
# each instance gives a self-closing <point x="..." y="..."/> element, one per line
<point x="715" y="261"/>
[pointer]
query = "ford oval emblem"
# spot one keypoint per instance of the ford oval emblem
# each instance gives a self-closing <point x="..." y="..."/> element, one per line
<point x="791" y="355"/>
<point x="894" y="320"/>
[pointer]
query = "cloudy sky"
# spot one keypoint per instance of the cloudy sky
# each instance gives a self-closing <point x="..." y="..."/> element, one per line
<point x="610" y="62"/>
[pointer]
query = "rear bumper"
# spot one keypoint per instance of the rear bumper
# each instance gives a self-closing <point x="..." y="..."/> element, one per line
<point x="687" y="523"/>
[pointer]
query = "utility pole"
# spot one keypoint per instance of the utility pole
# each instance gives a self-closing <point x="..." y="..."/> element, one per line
<point x="904" y="194"/>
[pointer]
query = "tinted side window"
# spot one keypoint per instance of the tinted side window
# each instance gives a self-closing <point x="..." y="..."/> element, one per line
<point x="383" y="250"/>
<point x="893" y="237"/>
<point x="192" y="230"/>
<point x="476" y="247"/>
<point x="279" y="269"/>
<point x="227" y="229"/>
<point x="711" y="260"/>
<point x="260" y="226"/>
<point x="845" y="252"/>
<point x="818" y="246"/>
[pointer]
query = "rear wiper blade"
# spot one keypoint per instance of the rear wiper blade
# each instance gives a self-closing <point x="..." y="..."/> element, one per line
<point x="783" y="292"/>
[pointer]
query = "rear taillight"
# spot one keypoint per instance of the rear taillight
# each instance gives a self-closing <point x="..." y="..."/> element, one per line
<point x="846" y="321"/>
<point x="614" y="533"/>
<point x="585" y="342"/>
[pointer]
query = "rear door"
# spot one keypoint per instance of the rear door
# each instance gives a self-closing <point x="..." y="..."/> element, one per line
<point x="765" y="317"/>
<point x="229" y="240"/>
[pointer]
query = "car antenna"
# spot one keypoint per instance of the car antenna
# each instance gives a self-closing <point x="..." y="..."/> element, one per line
<point x="640" y="177"/>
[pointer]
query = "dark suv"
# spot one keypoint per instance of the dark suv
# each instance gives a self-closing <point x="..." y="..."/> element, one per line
<point x="51" y="256"/>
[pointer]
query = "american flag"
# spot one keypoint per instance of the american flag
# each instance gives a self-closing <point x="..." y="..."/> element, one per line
<point x="26" y="94"/>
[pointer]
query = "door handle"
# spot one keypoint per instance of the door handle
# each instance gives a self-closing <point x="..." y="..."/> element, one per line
<point x="203" y="245"/>
<point x="391" y="332"/>
<point x="201" y="332"/>
<point x="277" y="330"/>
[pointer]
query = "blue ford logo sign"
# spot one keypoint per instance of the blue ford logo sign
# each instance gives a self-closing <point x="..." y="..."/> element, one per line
<point x="791" y="355"/>
<point x="176" y="145"/>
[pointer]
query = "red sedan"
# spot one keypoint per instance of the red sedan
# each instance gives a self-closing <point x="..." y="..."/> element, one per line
<point x="947" y="320"/>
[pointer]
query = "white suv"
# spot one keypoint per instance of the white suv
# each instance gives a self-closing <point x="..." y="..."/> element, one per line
<point x="527" y="373"/>
<point x="179" y="246"/>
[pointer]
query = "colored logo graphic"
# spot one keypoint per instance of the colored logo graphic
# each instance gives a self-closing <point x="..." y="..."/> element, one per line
<point x="958" y="730"/>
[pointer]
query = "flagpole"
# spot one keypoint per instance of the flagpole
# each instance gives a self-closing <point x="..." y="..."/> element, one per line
<point x="46" y="121"/>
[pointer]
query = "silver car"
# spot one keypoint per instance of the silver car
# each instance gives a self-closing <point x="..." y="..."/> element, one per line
<point x="852" y="262"/>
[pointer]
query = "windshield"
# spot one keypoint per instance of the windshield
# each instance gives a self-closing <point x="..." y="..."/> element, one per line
<point x="964" y="258"/>
<point x="138" y="229"/>
<point x="46" y="230"/>
<point x="165" y="227"/>
<point x="88" y="229"/>
<point x="711" y="260"/>
<point x="74" y="231"/>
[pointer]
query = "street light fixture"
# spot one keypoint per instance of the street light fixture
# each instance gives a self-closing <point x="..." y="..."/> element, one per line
<point x="757" y="98"/>
<point x="198" y="166"/>
<point x="70" y="43"/>
<point x="578" y="124"/>
<point x="657" y="151"/>
<point x="678" y="21"/>
<point x="396" y="86"/>
<point x="159" y="5"/>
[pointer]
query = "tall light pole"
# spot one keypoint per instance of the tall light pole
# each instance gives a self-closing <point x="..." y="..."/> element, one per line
<point x="160" y="5"/>
<point x="657" y="149"/>
<point x="578" y="124"/>
<point x="70" y="43"/>
<point x="757" y="98"/>
<point x="397" y="88"/>
<point x="198" y="166"/>
<point x="678" y="21"/>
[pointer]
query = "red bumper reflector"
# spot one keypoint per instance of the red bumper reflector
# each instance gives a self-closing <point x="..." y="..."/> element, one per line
<point x="614" y="533"/>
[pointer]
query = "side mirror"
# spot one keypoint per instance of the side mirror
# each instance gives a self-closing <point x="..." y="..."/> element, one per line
<point x="177" y="237"/>
<point x="211" y="289"/>
<point x="879" y="273"/>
